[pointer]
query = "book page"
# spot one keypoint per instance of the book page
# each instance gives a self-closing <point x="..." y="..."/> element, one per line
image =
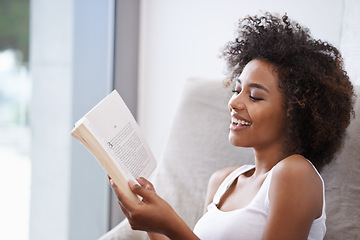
<point x="113" y="125"/>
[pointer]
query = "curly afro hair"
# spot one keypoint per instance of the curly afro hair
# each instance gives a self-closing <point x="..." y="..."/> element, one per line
<point x="318" y="95"/>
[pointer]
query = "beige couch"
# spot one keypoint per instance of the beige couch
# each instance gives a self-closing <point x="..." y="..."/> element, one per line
<point x="198" y="146"/>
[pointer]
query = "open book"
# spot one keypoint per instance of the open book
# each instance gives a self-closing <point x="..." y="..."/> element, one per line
<point x="111" y="134"/>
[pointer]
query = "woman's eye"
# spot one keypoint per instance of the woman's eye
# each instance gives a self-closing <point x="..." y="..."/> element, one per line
<point x="235" y="91"/>
<point x="255" y="99"/>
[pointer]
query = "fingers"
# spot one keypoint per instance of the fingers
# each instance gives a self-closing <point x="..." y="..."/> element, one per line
<point x="147" y="193"/>
<point x="122" y="198"/>
<point x="124" y="210"/>
<point x="145" y="190"/>
<point x="146" y="184"/>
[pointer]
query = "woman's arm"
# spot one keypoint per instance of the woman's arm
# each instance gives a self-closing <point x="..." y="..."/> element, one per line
<point x="296" y="198"/>
<point x="152" y="214"/>
<point x="157" y="236"/>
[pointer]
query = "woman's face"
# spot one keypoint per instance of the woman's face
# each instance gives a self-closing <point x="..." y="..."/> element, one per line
<point x="256" y="107"/>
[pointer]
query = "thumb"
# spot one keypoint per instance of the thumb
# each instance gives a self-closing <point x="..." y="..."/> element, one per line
<point x="146" y="194"/>
<point x="145" y="183"/>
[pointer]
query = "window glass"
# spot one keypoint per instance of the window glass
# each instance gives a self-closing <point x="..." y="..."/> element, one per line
<point x="15" y="91"/>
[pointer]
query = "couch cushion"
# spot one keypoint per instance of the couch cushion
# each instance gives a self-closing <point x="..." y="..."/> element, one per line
<point x="342" y="185"/>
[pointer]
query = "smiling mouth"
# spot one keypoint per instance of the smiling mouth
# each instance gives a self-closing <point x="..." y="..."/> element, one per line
<point x="238" y="122"/>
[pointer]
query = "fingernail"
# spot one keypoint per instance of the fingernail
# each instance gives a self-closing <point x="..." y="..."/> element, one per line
<point x="134" y="183"/>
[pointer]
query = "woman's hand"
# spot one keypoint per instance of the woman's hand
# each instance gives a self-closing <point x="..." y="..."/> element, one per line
<point x="152" y="214"/>
<point x="149" y="214"/>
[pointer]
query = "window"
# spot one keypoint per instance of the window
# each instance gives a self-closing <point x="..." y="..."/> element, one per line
<point x="15" y="89"/>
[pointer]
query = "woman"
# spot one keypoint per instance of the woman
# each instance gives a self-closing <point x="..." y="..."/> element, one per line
<point x="292" y="102"/>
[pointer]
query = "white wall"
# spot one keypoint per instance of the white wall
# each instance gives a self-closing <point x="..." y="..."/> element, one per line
<point x="350" y="39"/>
<point x="182" y="39"/>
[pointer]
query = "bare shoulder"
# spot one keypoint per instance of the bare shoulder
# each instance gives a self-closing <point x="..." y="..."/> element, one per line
<point x="215" y="181"/>
<point x="296" y="168"/>
<point x="296" y="199"/>
<point x="296" y="177"/>
<point x="219" y="176"/>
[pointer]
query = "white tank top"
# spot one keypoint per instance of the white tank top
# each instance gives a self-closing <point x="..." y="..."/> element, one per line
<point x="248" y="222"/>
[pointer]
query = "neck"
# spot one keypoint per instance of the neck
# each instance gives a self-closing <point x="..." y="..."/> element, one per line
<point x="266" y="159"/>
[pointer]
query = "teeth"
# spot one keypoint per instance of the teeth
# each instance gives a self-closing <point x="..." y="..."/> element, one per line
<point x="242" y="122"/>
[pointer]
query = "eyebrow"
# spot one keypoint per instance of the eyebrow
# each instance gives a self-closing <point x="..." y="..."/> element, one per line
<point x="255" y="85"/>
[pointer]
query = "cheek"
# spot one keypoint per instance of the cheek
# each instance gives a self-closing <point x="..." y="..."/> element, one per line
<point x="270" y="120"/>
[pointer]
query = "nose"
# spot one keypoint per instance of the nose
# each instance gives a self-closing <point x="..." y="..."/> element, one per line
<point x="236" y="102"/>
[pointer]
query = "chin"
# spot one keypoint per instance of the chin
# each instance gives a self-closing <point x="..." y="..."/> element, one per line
<point x="235" y="141"/>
